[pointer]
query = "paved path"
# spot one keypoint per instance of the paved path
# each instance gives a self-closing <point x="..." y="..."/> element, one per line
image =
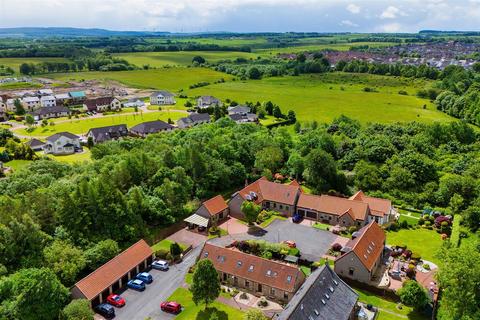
<point x="141" y="305"/>
<point x="233" y="226"/>
<point x="188" y="237"/>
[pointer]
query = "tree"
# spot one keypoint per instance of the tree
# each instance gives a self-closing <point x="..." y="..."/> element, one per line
<point x="188" y="104"/>
<point x="250" y="210"/>
<point x="270" y="158"/>
<point x="297" y="127"/>
<point x="32" y="294"/>
<point x="321" y="172"/>
<point x="254" y="314"/>
<point x="413" y="294"/>
<point x="301" y="57"/>
<point x="29" y="120"/>
<point x="471" y="218"/>
<point x="78" y="309"/>
<point x="26" y="69"/>
<point x="175" y="249"/>
<point x="198" y="59"/>
<point x="100" y="253"/>
<point x="269" y="108"/>
<point x="19" y="109"/>
<point x="277" y="113"/>
<point x="254" y="73"/>
<point x="291" y="116"/>
<point x="65" y="260"/>
<point x="205" y="286"/>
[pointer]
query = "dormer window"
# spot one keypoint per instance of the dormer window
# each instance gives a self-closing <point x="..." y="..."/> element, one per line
<point x="289" y="279"/>
<point x="250" y="268"/>
<point x="205" y="254"/>
<point x="239" y="264"/>
<point x="269" y="273"/>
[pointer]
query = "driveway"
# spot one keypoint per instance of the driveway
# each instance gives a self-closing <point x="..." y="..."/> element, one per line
<point x="233" y="226"/>
<point x="188" y="237"/>
<point x="146" y="304"/>
<point x="312" y="243"/>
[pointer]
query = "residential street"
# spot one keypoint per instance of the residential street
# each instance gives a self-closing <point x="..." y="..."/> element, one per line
<point x="141" y="305"/>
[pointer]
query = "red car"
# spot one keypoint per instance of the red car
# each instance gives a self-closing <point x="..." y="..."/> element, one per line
<point x="116" y="300"/>
<point x="171" y="306"/>
<point x="290" y="243"/>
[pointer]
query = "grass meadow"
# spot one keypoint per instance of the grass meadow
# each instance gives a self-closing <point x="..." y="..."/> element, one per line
<point x="15" y="63"/>
<point x="422" y="241"/>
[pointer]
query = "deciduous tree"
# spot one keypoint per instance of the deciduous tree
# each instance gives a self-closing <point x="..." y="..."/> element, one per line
<point x="205" y="286"/>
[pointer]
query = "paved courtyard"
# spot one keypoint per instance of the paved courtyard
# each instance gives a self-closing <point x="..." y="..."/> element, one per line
<point x="188" y="237"/>
<point x="312" y="243"/>
<point x="233" y="226"/>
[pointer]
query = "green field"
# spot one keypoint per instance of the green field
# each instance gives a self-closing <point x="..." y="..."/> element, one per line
<point x="184" y="58"/>
<point x="422" y="241"/>
<point x="343" y="46"/>
<point x="15" y="63"/>
<point x="172" y="79"/>
<point x="324" y="97"/>
<point x="81" y="126"/>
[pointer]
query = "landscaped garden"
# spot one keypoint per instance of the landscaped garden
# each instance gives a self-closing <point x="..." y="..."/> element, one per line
<point x="422" y="241"/>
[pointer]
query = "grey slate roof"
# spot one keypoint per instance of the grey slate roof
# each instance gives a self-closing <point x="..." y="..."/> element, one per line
<point x="54" y="137"/>
<point x="310" y="302"/>
<point x="151" y="127"/>
<point x="110" y="132"/>
<point x="199" y="117"/>
<point x="35" y="143"/>
<point x="48" y="110"/>
<point x="163" y="93"/>
<point x="239" y="110"/>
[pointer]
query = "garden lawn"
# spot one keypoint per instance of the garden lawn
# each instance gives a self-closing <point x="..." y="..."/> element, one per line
<point x="422" y="241"/>
<point x="172" y="79"/>
<point x="321" y="226"/>
<point x="267" y="222"/>
<point x="17" y="164"/>
<point x="323" y="97"/>
<point x="165" y="245"/>
<point x="82" y="125"/>
<point x="389" y="308"/>
<point x="193" y="312"/>
<point x="73" y="158"/>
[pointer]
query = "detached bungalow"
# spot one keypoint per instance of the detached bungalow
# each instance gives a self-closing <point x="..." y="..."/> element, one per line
<point x="102" y="104"/>
<point x="362" y="256"/>
<point x="193" y="119"/>
<point x="208" y="102"/>
<point x="51" y="112"/>
<point x="162" y="97"/>
<point x="269" y="195"/>
<point x="259" y="276"/>
<point x="146" y="128"/>
<point x="103" y="134"/>
<point x="114" y="274"/>
<point x="323" y="296"/>
<point x="212" y="210"/>
<point x="134" y="102"/>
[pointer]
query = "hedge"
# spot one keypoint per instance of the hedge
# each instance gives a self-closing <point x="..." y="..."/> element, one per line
<point x="455" y="236"/>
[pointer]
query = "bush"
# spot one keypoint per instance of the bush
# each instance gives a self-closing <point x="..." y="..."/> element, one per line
<point x="428" y="223"/>
<point x="336" y="247"/>
<point x="294" y="252"/>
<point x="415" y="256"/>
<point x="404" y="224"/>
<point x="262" y="302"/>
<point x="352" y="229"/>
<point x="403" y="92"/>
<point x="162" y="253"/>
<point x="426" y="266"/>
<point x="267" y="255"/>
<point x="244" y="296"/>
<point x="421" y="222"/>
<point x="78" y="309"/>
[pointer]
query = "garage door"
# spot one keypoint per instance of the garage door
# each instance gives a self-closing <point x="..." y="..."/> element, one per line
<point x="312" y="215"/>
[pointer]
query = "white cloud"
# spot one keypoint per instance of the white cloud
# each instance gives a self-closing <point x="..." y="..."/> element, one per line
<point x="353" y="8"/>
<point x="348" y="23"/>
<point x="391" y="12"/>
<point x="391" y="27"/>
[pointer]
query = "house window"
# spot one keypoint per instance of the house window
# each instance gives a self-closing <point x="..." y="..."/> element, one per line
<point x="247" y="284"/>
<point x="274" y="205"/>
<point x="272" y="291"/>
<point x="285" y="295"/>
<point x="281" y="207"/>
<point x="287" y="208"/>
<point x="350" y="271"/>
<point x="267" y="204"/>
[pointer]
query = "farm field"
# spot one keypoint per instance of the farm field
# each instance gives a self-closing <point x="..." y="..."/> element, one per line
<point x="172" y="79"/>
<point x="81" y="126"/>
<point x="15" y="63"/>
<point x="342" y="46"/>
<point x="422" y="241"/>
<point x="324" y="97"/>
<point x="184" y="58"/>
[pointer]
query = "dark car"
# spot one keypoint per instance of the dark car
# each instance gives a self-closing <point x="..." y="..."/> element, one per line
<point x="136" y="284"/>
<point x="116" y="300"/>
<point x="297" y="218"/>
<point x="145" y="277"/>
<point x="105" y="310"/>
<point x="171" y="306"/>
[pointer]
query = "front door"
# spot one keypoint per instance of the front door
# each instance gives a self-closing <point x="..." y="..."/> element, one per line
<point x="260" y="288"/>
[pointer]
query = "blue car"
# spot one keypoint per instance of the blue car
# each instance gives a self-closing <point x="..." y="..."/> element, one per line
<point x="145" y="277"/>
<point x="136" y="284"/>
<point x="297" y="218"/>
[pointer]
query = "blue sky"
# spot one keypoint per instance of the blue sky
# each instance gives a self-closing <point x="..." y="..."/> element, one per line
<point x="245" y="15"/>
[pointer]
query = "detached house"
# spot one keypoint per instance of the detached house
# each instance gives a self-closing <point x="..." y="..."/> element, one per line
<point x="193" y="119"/>
<point x="381" y="210"/>
<point x="244" y="118"/>
<point x="162" y="97"/>
<point x="35" y="144"/>
<point x="134" y="102"/>
<point x="50" y="112"/>
<point x="146" y="128"/>
<point x="62" y="143"/>
<point x="30" y="103"/>
<point x="48" y="101"/>
<point x="208" y="102"/>
<point x="103" y="134"/>
<point x="102" y="104"/>
<point x="238" y="110"/>
<point x="323" y="296"/>
<point x="212" y="210"/>
<point x="269" y="195"/>
<point x="259" y="276"/>
<point x="363" y="255"/>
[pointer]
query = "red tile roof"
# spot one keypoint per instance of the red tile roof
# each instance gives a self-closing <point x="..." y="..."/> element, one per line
<point x="113" y="270"/>
<point x="271" y="191"/>
<point x="215" y="205"/>
<point x="368" y="245"/>
<point x="334" y="205"/>
<point x="267" y="272"/>
<point x="378" y="207"/>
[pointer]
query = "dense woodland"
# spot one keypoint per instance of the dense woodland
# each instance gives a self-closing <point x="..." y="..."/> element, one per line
<point x="58" y="221"/>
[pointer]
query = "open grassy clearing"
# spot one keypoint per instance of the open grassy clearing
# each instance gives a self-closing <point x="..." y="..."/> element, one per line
<point x="422" y="241"/>
<point x="71" y="158"/>
<point x="81" y="126"/>
<point x="317" y="47"/>
<point x="15" y="63"/>
<point x="326" y="96"/>
<point x="19" y="85"/>
<point x="172" y="79"/>
<point x="184" y="58"/>
<point x="165" y="245"/>
<point x="192" y="311"/>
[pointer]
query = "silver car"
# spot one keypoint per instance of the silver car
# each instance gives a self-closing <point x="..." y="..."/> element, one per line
<point x="160" y="265"/>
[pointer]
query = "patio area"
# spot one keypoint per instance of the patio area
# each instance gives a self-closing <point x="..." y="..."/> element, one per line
<point x="233" y="226"/>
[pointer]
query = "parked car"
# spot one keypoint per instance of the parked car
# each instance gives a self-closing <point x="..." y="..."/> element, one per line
<point x="105" y="310"/>
<point x="160" y="265"/>
<point x="171" y="306"/>
<point x="290" y="243"/>
<point x="136" y="284"/>
<point x="116" y="300"/>
<point x="145" y="277"/>
<point x="297" y="218"/>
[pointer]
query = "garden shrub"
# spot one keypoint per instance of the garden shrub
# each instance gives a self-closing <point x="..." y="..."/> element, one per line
<point x="352" y="229"/>
<point x="266" y="255"/>
<point x="404" y="224"/>
<point x="415" y="256"/>
<point x="336" y="247"/>
<point x="294" y="252"/>
<point x="161" y="253"/>
<point x="421" y="222"/>
<point x="244" y="296"/>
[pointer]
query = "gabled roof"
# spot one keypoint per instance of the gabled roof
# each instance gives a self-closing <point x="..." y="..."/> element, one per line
<point x="56" y="136"/>
<point x="34" y="143"/>
<point x="378" y="206"/>
<point x="209" y="100"/>
<point x="110" y="272"/>
<point x="163" y="93"/>
<point x="151" y="127"/>
<point x="110" y="132"/>
<point x="271" y="191"/>
<point x="45" y="91"/>
<point x="49" y="110"/>
<point x="92" y="104"/>
<point x="196" y="117"/>
<point x="30" y="99"/>
<point x="239" y="110"/>
<point x="334" y="205"/>
<point x="367" y="246"/>
<point x="77" y="94"/>
<point x="62" y="96"/>
<point x="310" y="302"/>
<point x="274" y="274"/>
<point x="215" y="205"/>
